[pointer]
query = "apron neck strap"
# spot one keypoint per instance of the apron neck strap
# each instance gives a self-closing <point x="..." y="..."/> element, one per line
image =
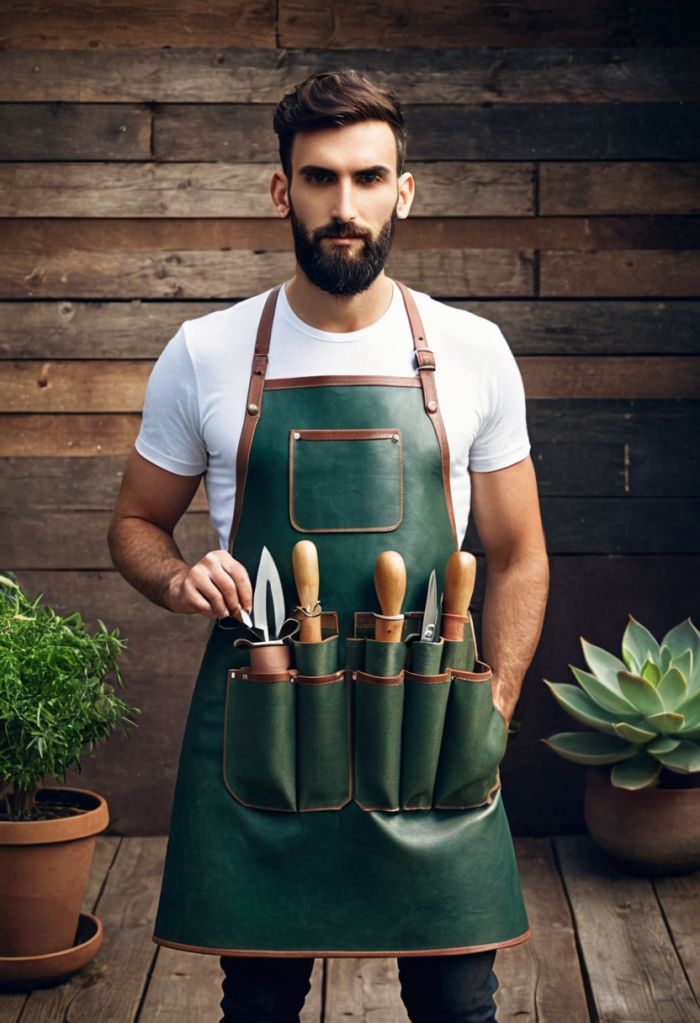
<point x="425" y="362"/>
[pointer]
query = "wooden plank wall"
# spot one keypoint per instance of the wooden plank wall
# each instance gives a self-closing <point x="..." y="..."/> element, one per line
<point x="557" y="152"/>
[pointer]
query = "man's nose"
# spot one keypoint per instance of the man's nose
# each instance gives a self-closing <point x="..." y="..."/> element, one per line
<point x="344" y="207"/>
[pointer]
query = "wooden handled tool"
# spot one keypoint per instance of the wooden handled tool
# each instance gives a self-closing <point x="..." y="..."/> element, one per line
<point x="390" y="584"/>
<point x="306" y="576"/>
<point x="459" y="587"/>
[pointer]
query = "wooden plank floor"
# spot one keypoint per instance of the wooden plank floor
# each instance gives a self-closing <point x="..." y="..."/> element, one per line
<point x="607" y="947"/>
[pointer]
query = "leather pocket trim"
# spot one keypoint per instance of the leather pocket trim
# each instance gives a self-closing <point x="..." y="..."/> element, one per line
<point x="319" y="680"/>
<point x="428" y="680"/>
<point x="375" y="680"/>
<point x="246" y="675"/>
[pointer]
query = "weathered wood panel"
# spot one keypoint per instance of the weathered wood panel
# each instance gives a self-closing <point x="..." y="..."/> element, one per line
<point x="239" y="190"/>
<point x="619" y="274"/>
<point x="119" y="386"/>
<point x="363" y="990"/>
<point x="75" y="435"/>
<point x="613" y="23"/>
<point x="554" y="74"/>
<point x="593" y="376"/>
<point x="334" y="24"/>
<point x="39" y="235"/>
<point x="78" y="539"/>
<point x="75" y="131"/>
<point x="93" y="330"/>
<point x="605" y="188"/>
<point x="141" y="274"/>
<point x="541" y="979"/>
<point x="679" y="901"/>
<point x="542" y="131"/>
<point x="182" y="986"/>
<point x="267" y="234"/>
<point x="633" y="970"/>
<point x="544" y="327"/>
<point x="133" y="330"/>
<point x="238" y="274"/>
<point x="66" y="484"/>
<point x="45" y="25"/>
<point x="95" y="386"/>
<point x="111" y="987"/>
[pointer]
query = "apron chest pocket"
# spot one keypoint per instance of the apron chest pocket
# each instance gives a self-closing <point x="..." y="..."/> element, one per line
<point x="345" y="481"/>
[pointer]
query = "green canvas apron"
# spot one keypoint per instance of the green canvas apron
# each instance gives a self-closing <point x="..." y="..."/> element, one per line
<point x="349" y="806"/>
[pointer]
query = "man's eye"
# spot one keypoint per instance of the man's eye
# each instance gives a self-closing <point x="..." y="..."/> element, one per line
<point x="317" y="178"/>
<point x="370" y="178"/>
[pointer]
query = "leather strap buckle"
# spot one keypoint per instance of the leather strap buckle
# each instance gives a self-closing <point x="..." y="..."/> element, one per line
<point x="425" y="359"/>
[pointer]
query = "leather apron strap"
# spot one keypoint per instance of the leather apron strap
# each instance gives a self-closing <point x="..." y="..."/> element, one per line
<point x="425" y="363"/>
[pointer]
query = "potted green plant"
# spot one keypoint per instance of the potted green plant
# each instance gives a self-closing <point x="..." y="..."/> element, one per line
<point x="55" y="705"/>
<point x="641" y="801"/>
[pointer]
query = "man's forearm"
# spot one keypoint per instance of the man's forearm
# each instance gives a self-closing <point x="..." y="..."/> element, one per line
<point x="147" y="556"/>
<point x="512" y="622"/>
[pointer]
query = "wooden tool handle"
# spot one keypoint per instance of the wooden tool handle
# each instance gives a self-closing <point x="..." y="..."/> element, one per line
<point x="390" y="584"/>
<point x="459" y="587"/>
<point x="306" y="576"/>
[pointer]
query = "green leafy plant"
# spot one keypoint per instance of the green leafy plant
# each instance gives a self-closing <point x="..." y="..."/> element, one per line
<point x="646" y="708"/>
<point x="54" y="701"/>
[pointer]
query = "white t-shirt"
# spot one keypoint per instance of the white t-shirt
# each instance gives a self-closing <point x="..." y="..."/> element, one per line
<point x="196" y="396"/>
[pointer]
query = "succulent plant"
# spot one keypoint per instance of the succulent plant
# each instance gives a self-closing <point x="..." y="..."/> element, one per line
<point x="645" y="707"/>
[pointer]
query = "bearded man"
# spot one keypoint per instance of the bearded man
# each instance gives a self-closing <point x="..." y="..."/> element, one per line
<point x="359" y="811"/>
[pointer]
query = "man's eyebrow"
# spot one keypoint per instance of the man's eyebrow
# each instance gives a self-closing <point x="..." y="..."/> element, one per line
<point x="377" y="169"/>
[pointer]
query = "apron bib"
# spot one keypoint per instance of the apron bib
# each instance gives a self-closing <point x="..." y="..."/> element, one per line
<point x="349" y="806"/>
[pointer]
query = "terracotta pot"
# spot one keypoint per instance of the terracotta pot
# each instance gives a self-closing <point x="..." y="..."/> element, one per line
<point x="657" y="830"/>
<point x="44" y="869"/>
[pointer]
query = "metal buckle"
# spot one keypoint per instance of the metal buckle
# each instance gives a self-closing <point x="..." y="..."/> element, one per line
<point x="426" y="351"/>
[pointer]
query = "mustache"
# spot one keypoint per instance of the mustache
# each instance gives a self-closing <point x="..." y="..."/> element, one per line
<point x="340" y="229"/>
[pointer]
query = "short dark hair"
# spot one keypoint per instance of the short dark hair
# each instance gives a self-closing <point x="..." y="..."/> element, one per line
<point x="333" y="99"/>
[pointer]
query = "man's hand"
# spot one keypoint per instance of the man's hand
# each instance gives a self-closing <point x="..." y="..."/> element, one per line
<point x="150" y="504"/>
<point x="215" y="587"/>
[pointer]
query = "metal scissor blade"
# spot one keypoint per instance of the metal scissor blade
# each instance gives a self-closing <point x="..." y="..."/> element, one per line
<point x="429" y="631"/>
<point x="268" y="576"/>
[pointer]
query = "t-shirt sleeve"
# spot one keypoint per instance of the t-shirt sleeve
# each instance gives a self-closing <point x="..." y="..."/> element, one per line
<point x="502" y="439"/>
<point x="170" y="434"/>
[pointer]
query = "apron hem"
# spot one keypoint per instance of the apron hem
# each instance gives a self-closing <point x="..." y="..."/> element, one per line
<point x="269" y="954"/>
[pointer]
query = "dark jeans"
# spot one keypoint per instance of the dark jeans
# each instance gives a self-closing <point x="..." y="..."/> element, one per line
<point x="435" y="989"/>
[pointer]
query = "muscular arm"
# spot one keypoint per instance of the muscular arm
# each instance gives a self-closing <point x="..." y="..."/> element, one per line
<point x="507" y="515"/>
<point x="150" y="504"/>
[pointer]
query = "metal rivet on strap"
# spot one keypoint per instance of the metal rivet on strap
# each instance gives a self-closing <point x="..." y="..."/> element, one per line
<point x="253" y="409"/>
<point x="432" y="406"/>
<point x="421" y="339"/>
<point x="297" y="436"/>
<point x="395" y="438"/>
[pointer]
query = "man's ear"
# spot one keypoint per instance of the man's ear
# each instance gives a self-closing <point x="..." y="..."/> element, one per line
<point x="279" y="190"/>
<point x="407" y="191"/>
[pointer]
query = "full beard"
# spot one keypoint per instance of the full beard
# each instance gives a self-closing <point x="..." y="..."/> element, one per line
<point x="340" y="271"/>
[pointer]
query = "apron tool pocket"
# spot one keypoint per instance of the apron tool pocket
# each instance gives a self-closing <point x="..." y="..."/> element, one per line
<point x="473" y="743"/>
<point x="345" y="481"/>
<point x="425" y="701"/>
<point x="323" y="723"/>
<point x="260" y="739"/>
<point x="379" y="702"/>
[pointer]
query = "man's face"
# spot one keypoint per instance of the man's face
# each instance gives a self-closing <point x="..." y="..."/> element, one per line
<point x="343" y="204"/>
